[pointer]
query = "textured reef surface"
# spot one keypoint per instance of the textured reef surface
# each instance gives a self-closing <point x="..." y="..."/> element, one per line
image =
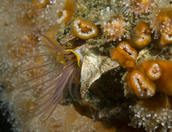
<point x="86" y="65"/>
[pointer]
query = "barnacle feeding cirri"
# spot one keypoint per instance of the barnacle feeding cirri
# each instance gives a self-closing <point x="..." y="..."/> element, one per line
<point x="86" y="66"/>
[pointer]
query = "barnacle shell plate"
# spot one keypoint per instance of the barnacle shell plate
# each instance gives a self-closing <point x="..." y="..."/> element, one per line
<point x="93" y="67"/>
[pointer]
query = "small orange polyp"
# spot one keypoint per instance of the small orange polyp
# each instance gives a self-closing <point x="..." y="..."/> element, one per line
<point x="166" y="36"/>
<point x="63" y="16"/>
<point x="162" y="19"/>
<point x="40" y="3"/>
<point x="124" y="54"/>
<point x="144" y="1"/>
<point x="164" y="83"/>
<point x="141" y="36"/>
<point x="152" y="69"/>
<point x="142" y="6"/>
<point x="140" y="85"/>
<point x="165" y="40"/>
<point x="162" y="25"/>
<point x="84" y="29"/>
<point x="66" y="13"/>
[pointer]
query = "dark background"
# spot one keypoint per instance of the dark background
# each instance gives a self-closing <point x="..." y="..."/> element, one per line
<point x="5" y="126"/>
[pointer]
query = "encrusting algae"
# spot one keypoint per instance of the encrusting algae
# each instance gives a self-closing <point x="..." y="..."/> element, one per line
<point x="86" y="66"/>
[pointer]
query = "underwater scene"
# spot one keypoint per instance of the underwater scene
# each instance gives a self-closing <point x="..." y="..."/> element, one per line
<point x="85" y="65"/>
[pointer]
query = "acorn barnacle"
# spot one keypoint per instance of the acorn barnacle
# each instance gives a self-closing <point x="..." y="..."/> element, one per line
<point x="124" y="54"/>
<point x="141" y="35"/>
<point x="84" y="29"/>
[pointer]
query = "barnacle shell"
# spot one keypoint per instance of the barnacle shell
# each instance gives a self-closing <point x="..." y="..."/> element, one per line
<point x="93" y="67"/>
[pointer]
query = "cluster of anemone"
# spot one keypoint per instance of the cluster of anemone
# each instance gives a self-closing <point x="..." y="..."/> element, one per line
<point x="149" y="77"/>
<point x="148" y="80"/>
<point x="143" y="80"/>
